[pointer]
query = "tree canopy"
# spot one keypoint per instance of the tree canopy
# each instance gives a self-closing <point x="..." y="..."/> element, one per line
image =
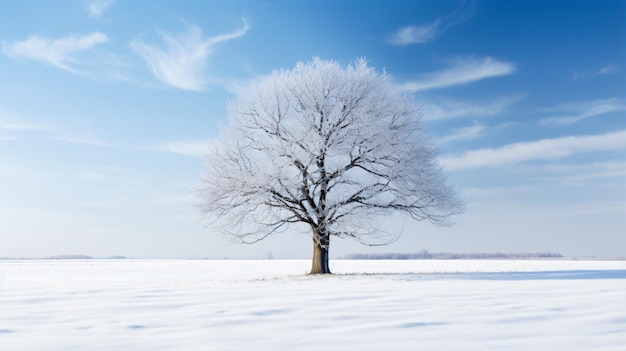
<point x="327" y="150"/>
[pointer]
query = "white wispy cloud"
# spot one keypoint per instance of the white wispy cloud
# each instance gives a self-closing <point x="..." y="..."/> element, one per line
<point x="571" y="113"/>
<point x="498" y="191"/>
<point x="462" y="71"/>
<point x="448" y="109"/>
<point x="180" y="59"/>
<point x="415" y="34"/>
<point x="21" y="125"/>
<point x="465" y="133"/>
<point x="546" y="149"/>
<point x="609" y="69"/>
<point x="9" y="121"/>
<point x="88" y="141"/>
<point x="576" y="174"/>
<point x="188" y="148"/>
<point x="420" y="34"/>
<point x="97" y="8"/>
<point x="62" y="53"/>
<point x="151" y="200"/>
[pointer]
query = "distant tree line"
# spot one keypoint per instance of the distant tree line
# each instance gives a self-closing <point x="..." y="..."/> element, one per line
<point x="425" y="255"/>
<point x="67" y="257"/>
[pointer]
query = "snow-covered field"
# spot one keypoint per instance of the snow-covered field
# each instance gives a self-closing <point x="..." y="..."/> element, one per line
<point x="273" y="305"/>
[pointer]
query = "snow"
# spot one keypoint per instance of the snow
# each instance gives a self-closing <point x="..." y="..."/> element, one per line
<point x="274" y="305"/>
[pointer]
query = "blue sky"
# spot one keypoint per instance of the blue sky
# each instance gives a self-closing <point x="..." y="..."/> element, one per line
<point x="106" y="107"/>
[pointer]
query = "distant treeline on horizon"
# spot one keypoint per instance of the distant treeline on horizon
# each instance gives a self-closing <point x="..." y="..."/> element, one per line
<point x="67" y="257"/>
<point x="425" y="255"/>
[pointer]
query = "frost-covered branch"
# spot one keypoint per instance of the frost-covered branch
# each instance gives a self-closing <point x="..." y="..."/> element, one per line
<point x="331" y="148"/>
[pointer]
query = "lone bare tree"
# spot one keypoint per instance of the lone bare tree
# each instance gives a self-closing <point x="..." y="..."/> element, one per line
<point x="324" y="148"/>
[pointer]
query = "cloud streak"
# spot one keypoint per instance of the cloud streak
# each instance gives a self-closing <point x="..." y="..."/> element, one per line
<point x="421" y="34"/>
<point x="546" y="149"/>
<point x="463" y="71"/>
<point x="605" y="70"/>
<point x="465" y="133"/>
<point x="574" y="112"/>
<point x="97" y="8"/>
<point x="415" y="34"/>
<point x="88" y="141"/>
<point x="180" y="60"/>
<point x="62" y="53"/>
<point x="578" y="174"/>
<point x="10" y="122"/>
<point x="608" y="69"/>
<point x="187" y="148"/>
<point x="450" y="109"/>
<point x="21" y="125"/>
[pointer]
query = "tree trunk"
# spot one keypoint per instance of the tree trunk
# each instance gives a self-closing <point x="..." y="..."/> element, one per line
<point x="320" y="254"/>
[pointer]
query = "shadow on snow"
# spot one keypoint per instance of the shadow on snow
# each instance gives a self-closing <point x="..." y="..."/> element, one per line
<point x="549" y="275"/>
<point x="542" y="275"/>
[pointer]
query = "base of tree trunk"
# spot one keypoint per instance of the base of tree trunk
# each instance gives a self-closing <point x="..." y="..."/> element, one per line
<point x="320" y="259"/>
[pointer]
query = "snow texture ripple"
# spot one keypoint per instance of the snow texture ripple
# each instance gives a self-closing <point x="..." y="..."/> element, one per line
<point x="274" y="305"/>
